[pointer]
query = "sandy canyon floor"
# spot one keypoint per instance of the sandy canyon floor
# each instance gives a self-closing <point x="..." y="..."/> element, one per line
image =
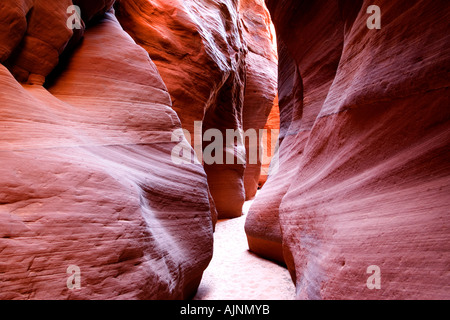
<point x="237" y="274"/>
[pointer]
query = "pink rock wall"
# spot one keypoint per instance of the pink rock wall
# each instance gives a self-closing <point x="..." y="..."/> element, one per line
<point x="218" y="61"/>
<point x="270" y="144"/>
<point x="86" y="175"/>
<point x="261" y="85"/>
<point x="364" y="159"/>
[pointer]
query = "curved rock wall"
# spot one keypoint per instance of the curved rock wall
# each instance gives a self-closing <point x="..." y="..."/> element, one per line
<point x="87" y="178"/>
<point x="86" y="175"/>
<point x="261" y="87"/>
<point x="364" y="159"/>
<point x="218" y="61"/>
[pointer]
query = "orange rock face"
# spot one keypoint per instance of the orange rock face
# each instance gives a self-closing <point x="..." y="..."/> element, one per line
<point x="261" y="88"/>
<point x="270" y="144"/>
<point x="219" y="64"/>
<point x="364" y="175"/>
<point x="86" y="175"/>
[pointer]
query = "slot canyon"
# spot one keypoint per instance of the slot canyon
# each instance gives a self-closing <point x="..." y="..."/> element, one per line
<point x="224" y="149"/>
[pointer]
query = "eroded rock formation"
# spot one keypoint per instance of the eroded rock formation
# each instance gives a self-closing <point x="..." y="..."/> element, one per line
<point x="270" y="144"/>
<point x="219" y="63"/>
<point x="364" y="173"/>
<point x="86" y="175"/>
<point x="261" y="88"/>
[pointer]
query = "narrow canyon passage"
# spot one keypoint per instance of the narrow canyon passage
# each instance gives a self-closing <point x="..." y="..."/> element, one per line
<point x="128" y="126"/>
<point x="237" y="274"/>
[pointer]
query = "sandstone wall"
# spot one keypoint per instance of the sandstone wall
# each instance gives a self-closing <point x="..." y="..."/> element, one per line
<point x="219" y="63"/>
<point x="364" y="158"/>
<point x="86" y="176"/>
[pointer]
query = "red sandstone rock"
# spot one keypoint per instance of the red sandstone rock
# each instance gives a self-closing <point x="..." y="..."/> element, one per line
<point x="13" y="25"/>
<point x="86" y="176"/>
<point x="270" y="143"/>
<point x="261" y="85"/>
<point x="45" y="38"/>
<point x="365" y="150"/>
<point x="200" y="49"/>
<point x="262" y="224"/>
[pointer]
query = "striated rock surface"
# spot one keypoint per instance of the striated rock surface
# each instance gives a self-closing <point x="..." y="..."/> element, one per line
<point x="86" y="175"/>
<point x="260" y="90"/>
<point x="270" y="144"/>
<point x="364" y="173"/>
<point x="13" y="24"/>
<point x="219" y="64"/>
<point x="43" y="36"/>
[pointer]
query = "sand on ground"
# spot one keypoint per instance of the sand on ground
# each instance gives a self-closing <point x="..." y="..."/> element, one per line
<point x="235" y="273"/>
